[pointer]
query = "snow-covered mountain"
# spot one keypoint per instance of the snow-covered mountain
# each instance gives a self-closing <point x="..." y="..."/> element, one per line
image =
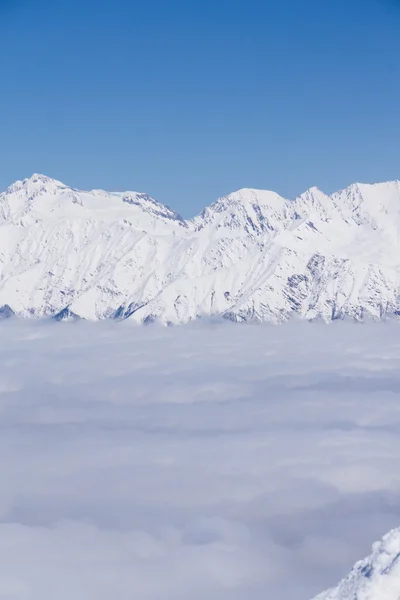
<point x="374" y="578"/>
<point x="250" y="255"/>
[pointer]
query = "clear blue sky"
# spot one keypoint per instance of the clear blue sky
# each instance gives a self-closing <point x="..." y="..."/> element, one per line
<point x="191" y="99"/>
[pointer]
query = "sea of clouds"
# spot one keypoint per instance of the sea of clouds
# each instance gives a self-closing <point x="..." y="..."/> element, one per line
<point x="205" y="462"/>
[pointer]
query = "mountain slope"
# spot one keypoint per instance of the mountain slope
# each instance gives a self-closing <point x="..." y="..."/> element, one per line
<point x="250" y="255"/>
<point x="374" y="578"/>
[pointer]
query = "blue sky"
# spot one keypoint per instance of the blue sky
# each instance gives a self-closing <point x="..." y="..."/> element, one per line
<point x="189" y="100"/>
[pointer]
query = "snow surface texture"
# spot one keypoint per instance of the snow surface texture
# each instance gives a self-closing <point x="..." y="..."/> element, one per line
<point x="375" y="578"/>
<point x="205" y="462"/>
<point x="249" y="256"/>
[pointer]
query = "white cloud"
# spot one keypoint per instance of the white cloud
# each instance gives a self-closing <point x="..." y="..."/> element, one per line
<point x="202" y="462"/>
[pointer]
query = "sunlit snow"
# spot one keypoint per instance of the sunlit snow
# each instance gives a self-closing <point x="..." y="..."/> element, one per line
<point x="250" y="256"/>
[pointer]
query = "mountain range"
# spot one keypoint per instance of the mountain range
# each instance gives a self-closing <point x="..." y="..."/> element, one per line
<point x="252" y="255"/>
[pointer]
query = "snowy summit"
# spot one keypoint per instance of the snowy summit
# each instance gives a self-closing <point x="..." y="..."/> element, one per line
<point x="251" y="255"/>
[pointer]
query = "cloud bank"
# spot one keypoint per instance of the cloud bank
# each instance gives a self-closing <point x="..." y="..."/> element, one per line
<point x="212" y="461"/>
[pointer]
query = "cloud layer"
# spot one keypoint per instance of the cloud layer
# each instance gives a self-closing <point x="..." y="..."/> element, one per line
<point x="210" y="461"/>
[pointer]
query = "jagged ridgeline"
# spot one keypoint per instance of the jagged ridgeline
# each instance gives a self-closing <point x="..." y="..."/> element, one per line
<point x="251" y="255"/>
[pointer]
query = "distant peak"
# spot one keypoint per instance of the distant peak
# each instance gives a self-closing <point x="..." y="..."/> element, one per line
<point x="243" y="192"/>
<point x="246" y="196"/>
<point x="38" y="178"/>
<point x="313" y="194"/>
<point x="34" y="185"/>
<point x="312" y="191"/>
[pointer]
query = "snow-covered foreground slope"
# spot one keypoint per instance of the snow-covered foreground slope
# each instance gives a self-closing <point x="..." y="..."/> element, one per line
<point x="375" y="578"/>
<point x="250" y="256"/>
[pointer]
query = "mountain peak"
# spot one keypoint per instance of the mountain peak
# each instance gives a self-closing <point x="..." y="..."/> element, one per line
<point x="314" y="189"/>
<point x="35" y="184"/>
<point x="252" y="195"/>
<point x="42" y="180"/>
<point x="249" y="209"/>
<point x="39" y="177"/>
